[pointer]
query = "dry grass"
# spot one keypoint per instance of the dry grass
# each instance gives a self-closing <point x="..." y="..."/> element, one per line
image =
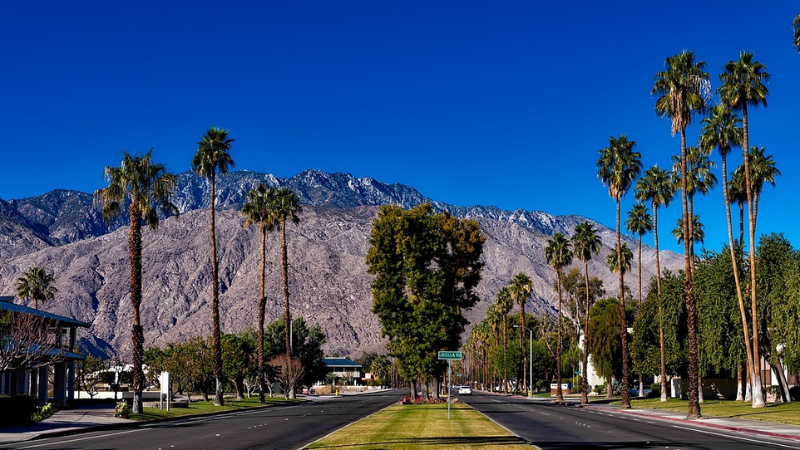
<point x="402" y="427"/>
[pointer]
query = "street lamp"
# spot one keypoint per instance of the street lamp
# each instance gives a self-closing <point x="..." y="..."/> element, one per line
<point x="530" y="360"/>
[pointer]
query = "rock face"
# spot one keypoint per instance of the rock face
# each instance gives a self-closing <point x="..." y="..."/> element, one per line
<point x="329" y="285"/>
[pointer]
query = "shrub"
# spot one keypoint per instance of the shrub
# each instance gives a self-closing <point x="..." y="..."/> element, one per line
<point x="655" y="388"/>
<point x="123" y="410"/>
<point x="599" y="389"/>
<point x="43" y="412"/>
<point x="17" y="409"/>
<point x="407" y="400"/>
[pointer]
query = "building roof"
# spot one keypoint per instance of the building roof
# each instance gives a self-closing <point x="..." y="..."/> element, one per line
<point x="340" y="362"/>
<point x="6" y="304"/>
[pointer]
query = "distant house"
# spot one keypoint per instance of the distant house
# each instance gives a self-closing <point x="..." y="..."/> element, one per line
<point x="343" y="368"/>
<point x="32" y="344"/>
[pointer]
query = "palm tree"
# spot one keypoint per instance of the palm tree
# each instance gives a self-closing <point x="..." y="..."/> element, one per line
<point x="558" y="254"/>
<point x="256" y="210"/>
<point x="697" y="228"/>
<point x="683" y="89"/>
<point x="585" y="243"/>
<point x="762" y="170"/>
<point x="743" y="85"/>
<point x="147" y="185"/>
<point x="504" y="306"/>
<point x="285" y="207"/>
<point x="737" y="193"/>
<point x="618" y="167"/>
<point x="699" y="179"/>
<point x="658" y="186"/>
<point x="639" y="222"/>
<point x="624" y="264"/>
<point x="796" y="27"/>
<point x="721" y="129"/>
<point x="520" y="290"/>
<point x="212" y="157"/>
<point x="37" y="285"/>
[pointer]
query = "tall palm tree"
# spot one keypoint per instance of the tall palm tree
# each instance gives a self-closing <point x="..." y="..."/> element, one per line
<point x="558" y="253"/>
<point x="520" y="290"/>
<point x="682" y="90"/>
<point x="700" y="178"/>
<point x="743" y="85"/>
<point x="763" y="169"/>
<point x="148" y="186"/>
<point x="658" y="186"/>
<point x="639" y="222"/>
<point x="722" y="129"/>
<point x="614" y="263"/>
<point x="618" y="167"/>
<point x="504" y="306"/>
<point x="37" y="285"/>
<point x="212" y="157"/>
<point x="256" y="210"/>
<point x="585" y="243"/>
<point x="285" y="207"/>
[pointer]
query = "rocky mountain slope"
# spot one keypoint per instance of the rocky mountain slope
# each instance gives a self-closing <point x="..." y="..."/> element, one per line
<point x="330" y="287"/>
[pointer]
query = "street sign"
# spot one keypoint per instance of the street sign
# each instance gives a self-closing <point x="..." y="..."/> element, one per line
<point x="450" y="355"/>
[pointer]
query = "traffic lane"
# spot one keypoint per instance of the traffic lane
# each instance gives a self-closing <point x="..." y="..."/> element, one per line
<point x="553" y="426"/>
<point x="271" y="428"/>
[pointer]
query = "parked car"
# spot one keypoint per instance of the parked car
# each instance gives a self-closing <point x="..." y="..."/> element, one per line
<point x="464" y="390"/>
<point x="635" y="392"/>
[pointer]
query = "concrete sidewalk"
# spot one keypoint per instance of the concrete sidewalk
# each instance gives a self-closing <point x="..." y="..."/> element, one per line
<point x="65" y="421"/>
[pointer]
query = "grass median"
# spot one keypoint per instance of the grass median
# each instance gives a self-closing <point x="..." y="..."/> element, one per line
<point x="202" y="407"/>
<point x="401" y="427"/>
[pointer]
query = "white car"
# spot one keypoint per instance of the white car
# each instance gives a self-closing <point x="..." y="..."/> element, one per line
<point x="464" y="390"/>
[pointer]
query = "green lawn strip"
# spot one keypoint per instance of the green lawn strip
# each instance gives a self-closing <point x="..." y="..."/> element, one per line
<point x="203" y="407"/>
<point x="401" y="427"/>
<point x="787" y="413"/>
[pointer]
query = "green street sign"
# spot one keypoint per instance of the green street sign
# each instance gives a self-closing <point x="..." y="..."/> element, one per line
<point x="450" y="355"/>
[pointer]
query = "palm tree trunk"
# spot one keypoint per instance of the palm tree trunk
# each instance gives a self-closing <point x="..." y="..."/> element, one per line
<point x="641" y="381"/>
<point x="135" y="255"/>
<point x="262" y="306"/>
<point x="505" y="350"/>
<point x="739" y="392"/>
<point x="694" y="405"/>
<point x="559" y="393"/>
<point x="691" y="232"/>
<point x="663" y="377"/>
<point x="739" y="295"/>
<point x="285" y="268"/>
<point x="626" y="401"/>
<point x="758" y="396"/>
<point x="584" y="380"/>
<point x="525" y="381"/>
<point x="218" y="400"/>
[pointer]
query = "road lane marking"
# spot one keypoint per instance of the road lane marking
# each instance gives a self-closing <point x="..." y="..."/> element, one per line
<point x="61" y="442"/>
<point x="733" y="436"/>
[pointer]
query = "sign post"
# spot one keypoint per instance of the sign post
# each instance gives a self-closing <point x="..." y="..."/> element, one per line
<point x="449" y="356"/>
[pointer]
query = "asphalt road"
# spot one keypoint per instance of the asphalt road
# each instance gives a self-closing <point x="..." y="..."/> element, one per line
<point x="288" y="427"/>
<point x="551" y="426"/>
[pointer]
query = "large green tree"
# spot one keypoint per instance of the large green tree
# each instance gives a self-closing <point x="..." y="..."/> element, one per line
<point x="617" y="168"/>
<point x="37" y="285"/>
<point x="257" y="211"/>
<point x="585" y="243"/>
<point x="744" y="85"/>
<point x="682" y="90"/>
<point x="658" y="186"/>
<point x="426" y="267"/>
<point x="558" y="253"/>
<point x="147" y="186"/>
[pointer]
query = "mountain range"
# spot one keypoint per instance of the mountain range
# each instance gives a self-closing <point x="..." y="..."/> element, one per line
<point x="64" y="231"/>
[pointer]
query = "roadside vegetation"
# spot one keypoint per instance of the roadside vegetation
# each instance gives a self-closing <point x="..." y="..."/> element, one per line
<point x="203" y="407"/>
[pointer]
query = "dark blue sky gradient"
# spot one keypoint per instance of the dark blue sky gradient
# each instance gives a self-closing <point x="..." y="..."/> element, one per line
<point x="469" y="102"/>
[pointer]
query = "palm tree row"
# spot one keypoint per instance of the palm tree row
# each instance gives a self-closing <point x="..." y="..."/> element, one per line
<point x="147" y="187"/>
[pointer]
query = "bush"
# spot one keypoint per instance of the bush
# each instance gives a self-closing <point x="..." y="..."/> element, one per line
<point x="655" y="388"/>
<point x="44" y="412"/>
<point x="17" y="410"/>
<point x="794" y="392"/>
<point x="123" y="410"/>
<point x="599" y="389"/>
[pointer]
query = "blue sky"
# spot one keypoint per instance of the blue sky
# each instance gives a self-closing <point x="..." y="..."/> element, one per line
<point x="491" y="103"/>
